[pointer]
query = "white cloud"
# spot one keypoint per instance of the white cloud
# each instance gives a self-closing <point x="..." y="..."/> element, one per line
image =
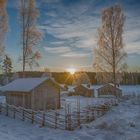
<point x="132" y="36"/>
<point x="76" y="55"/>
<point x="57" y="49"/>
<point x="51" y="14"/>
<point x="80" y="33"/>
<point x="74" y="25"/>
<point x="77" y="27"/>
<point x="87" y="43"/>
<point x="57" y="43"/>
<point x="133" y="47"/>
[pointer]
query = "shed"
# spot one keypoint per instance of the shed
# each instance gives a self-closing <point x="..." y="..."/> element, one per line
<point x="63" y="87"/>
<point x="84" y="90"/>
<point x="33" y="93"/>
<point x="109" y="89"/>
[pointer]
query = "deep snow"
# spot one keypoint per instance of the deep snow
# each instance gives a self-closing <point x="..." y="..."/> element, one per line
<point x="120" y="123"/>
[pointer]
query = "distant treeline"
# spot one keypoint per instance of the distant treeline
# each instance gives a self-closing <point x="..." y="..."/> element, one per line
<point x="128" y="78"/>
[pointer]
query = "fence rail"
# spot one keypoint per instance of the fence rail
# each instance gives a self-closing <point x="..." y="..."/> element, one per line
<point x="66" y="119"/>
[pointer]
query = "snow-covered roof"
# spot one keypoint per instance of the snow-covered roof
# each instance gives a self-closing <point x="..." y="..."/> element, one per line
<point x="23" y="84"/>
<point x="114" y="86"/>
<point x="87" y="86"/>
<point x="62" y="85"/>
<point x="110" y="84"/>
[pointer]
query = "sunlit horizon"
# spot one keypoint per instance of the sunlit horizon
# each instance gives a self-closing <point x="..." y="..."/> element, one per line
<point x="71" y="70"/>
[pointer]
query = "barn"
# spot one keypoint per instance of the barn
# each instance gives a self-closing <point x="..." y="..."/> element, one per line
<point x="84" y="90"/>
<point x="109" y="89"/>
<point x="33" y="93"/>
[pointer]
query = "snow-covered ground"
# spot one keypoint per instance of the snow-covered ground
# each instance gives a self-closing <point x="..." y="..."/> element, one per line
<point x="130" y="89"/>
<point x="120" y="123"/>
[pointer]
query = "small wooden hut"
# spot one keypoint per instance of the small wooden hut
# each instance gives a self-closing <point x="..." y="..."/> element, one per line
<point x="84" y="90"/>
<point x="33" y="93"/>
<point x="109" y="89"/>
<point x="64" y="87"/>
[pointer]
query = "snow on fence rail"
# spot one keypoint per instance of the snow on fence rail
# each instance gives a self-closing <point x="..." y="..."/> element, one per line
<point x="66" y="119"/>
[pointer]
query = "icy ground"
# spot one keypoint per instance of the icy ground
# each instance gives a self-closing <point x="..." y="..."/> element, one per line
<point x="122" y="122"/>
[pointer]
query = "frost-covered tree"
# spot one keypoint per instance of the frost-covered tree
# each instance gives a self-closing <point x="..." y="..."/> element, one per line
<point x="109" y="55"/>
<point x="3" y="27"/>
<point x="7" y="65"/>
<point x="47" y="73"/>
<point x="80" y="78"/>
<point x="30" y="35"/>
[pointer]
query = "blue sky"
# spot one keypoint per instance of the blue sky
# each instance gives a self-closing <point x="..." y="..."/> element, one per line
<point x="70" y="30"/>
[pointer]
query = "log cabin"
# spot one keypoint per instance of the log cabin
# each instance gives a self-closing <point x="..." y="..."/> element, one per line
<point x="33" y="93"/>
<point x="109" y="89"/>
<point x="84" y="90"/>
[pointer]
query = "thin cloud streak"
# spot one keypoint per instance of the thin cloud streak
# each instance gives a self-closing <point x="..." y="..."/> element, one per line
<point x="76" y="55"/>
<point x="56" y="50"/>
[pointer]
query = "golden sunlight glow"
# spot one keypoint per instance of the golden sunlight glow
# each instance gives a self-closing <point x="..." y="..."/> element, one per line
<point x="71" y="70"/>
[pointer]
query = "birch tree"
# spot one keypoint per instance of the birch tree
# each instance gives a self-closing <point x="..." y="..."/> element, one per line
<point x="3" y="27"/>
<point x="109" y="55"/>
<point x="30" y="35"/>
<point x="81" y="78"/>
<point x="47" y="73"/>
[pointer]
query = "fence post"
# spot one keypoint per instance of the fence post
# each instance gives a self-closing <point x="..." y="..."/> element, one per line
<point x="93" y="114"/>
<point x="7" y="110"/>
<point x="98" y="111"/>
<point x="56" y="119"/>
<point x="69" y="122"/>
<point x="102" y="110"/>
<point x="23" y="114"/>
<point x="69" y="118"/>
<point x="66" y="117"/>
<point x="78" y="112"/>
<point x="87" y="114"/>
<point x="14" y="115"/>
<point x="32" y="117"/>
<point x="43" y="119"/>
<point x="78" y="118"/>
<point x="65" y="121"/>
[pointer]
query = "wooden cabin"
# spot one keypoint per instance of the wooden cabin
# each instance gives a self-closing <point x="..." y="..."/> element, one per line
<point x="84" y="90"/>
<point x="109" y="89"/>
<point x="64" y="87"/>
<point x="33" y="93"/>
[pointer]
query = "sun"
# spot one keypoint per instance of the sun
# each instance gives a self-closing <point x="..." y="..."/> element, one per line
<point x="71" y="70"/>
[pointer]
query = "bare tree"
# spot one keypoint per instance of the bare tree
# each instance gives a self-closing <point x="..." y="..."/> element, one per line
<point x="81" y="78"/>
<point x="30" y="35"/>
<point x="109" y="55"/>
<point x="3" y="27"/>
<point x="47" y="73"/>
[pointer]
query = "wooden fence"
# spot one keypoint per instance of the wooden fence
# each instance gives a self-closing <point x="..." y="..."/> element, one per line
<point x="66" y="118"/>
